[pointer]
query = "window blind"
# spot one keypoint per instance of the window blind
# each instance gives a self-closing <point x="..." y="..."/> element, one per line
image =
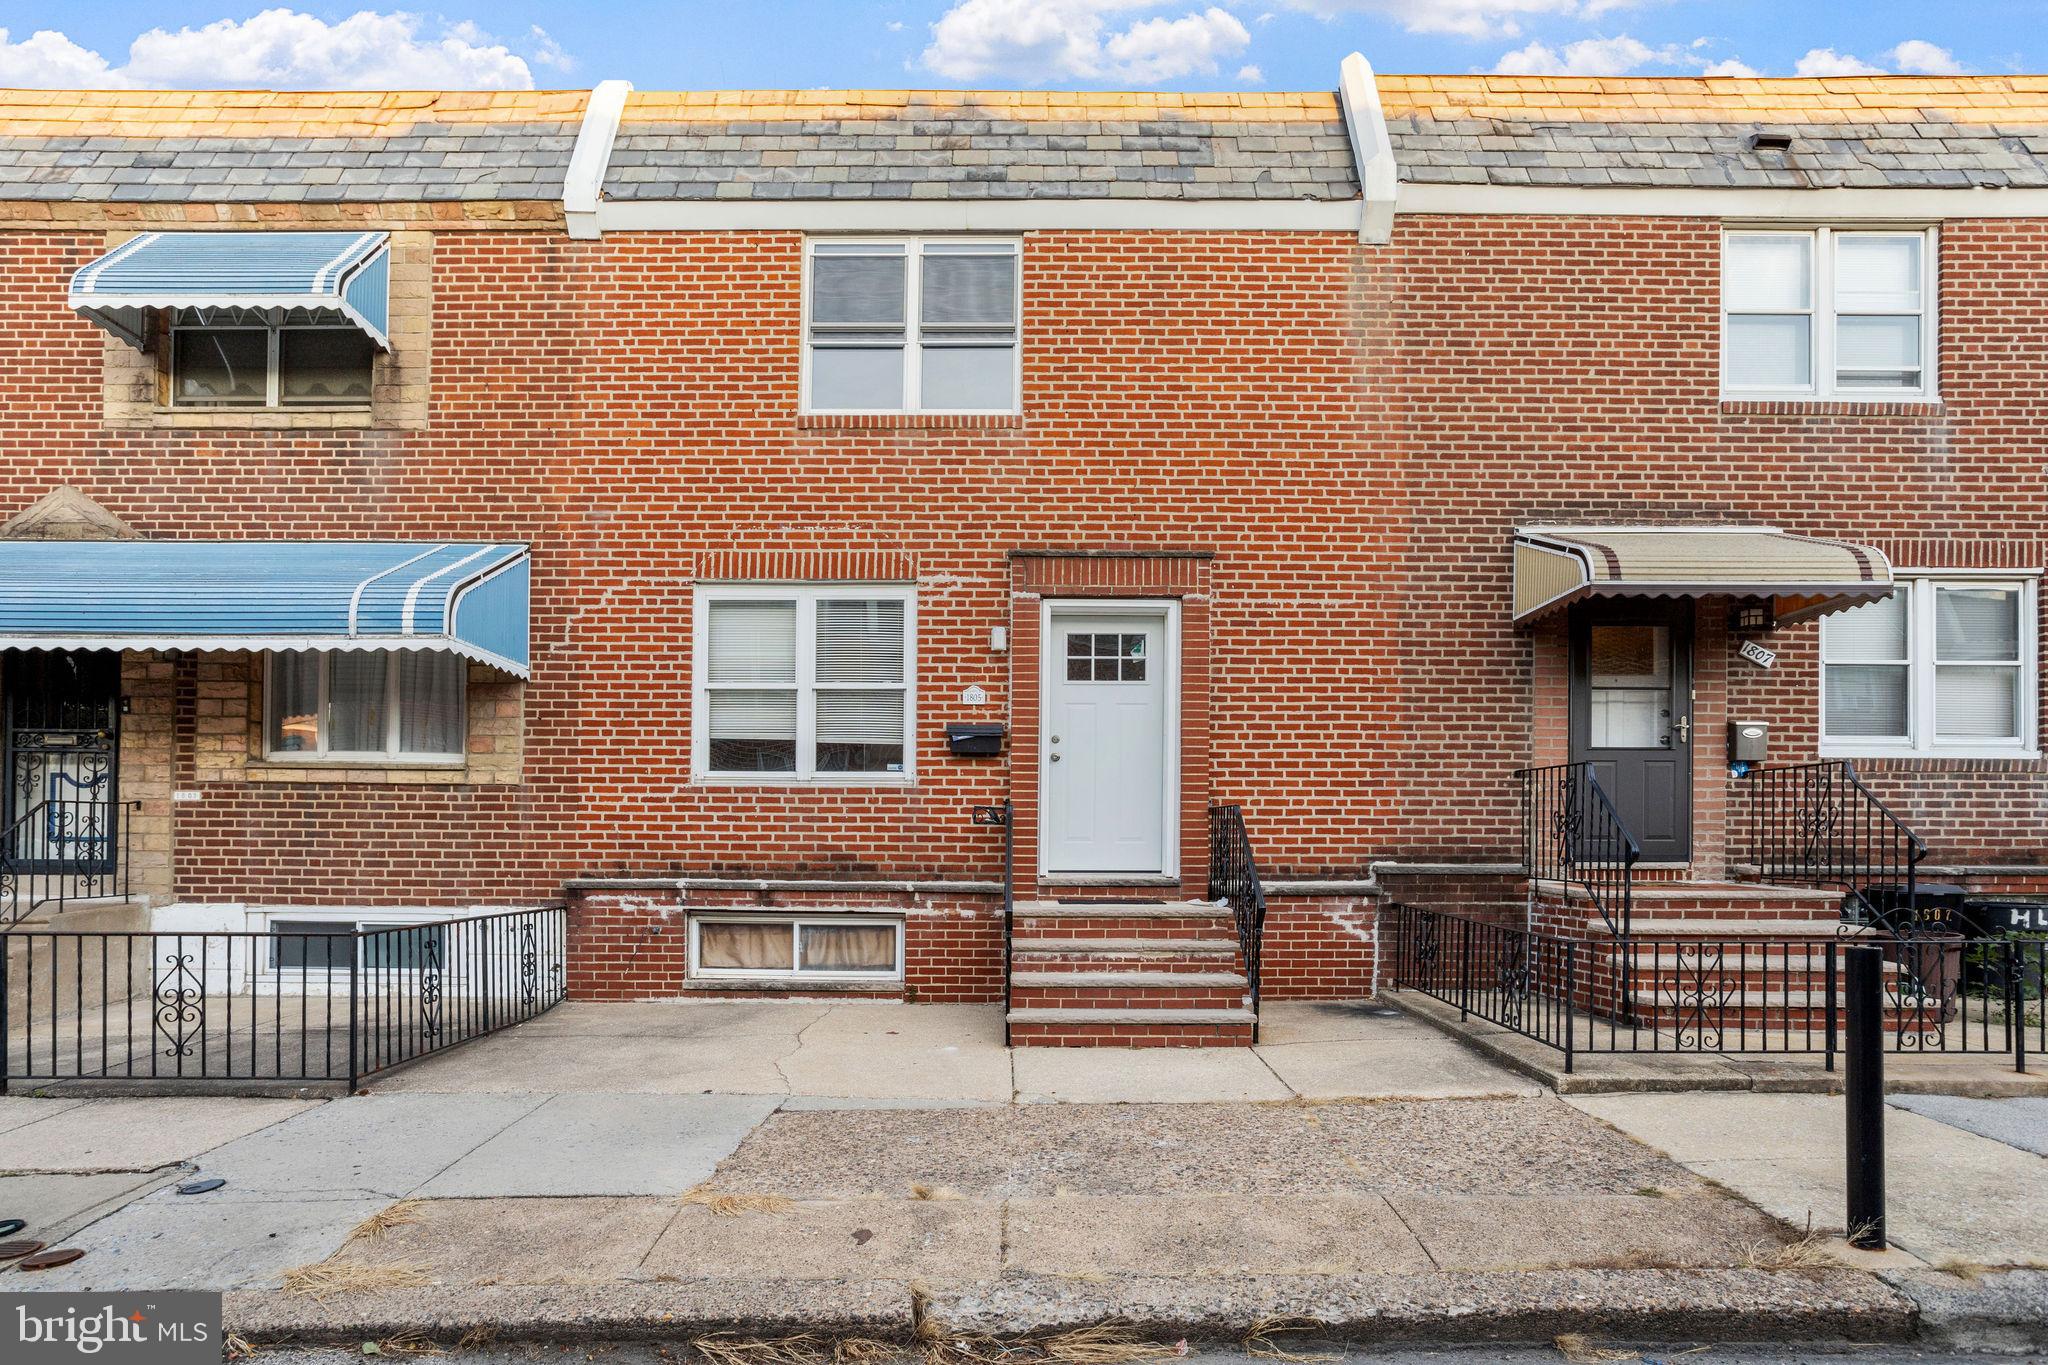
<point x="860" y="642"/>
<point x="430" y="719"/>
<point x="963" y="289"/>
<point x="1872" y="633"/>
<point x="753" y="642"/>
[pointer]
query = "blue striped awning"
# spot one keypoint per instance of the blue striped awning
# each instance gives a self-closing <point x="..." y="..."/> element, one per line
<point x="348" y="273"/>
<point x="464" y="598"/>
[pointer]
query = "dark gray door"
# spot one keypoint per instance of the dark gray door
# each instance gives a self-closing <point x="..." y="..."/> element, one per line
<point x="59" y="742"/>
<point x="1632" y="717"/>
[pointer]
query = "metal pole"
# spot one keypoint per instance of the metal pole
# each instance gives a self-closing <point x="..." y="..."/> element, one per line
<point x="1864" y="1107"/>
<point x="6" y="1027"/>
<point x="354" y="1053"/>
<point x="1834" y="979"/>
<point x="1464" y="970"/>
<point x="2015" y="1019"/>
<point x="1568" y="984"/>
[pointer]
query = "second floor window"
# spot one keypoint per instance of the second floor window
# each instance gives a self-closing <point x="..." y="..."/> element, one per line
<point x="235" y="358"/>
<point x="925" y="325"/>
<point x="1828" y="313"/>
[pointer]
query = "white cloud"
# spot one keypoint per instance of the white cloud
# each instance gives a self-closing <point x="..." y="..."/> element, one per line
<point x="1250" y="75"/>
<point x="1587" y="57"/>
<point x="1732" y="66"/>
<point x="1918" y="57"/>
<point x="280" y="49"/>
<point x="1467" y="18"/>
<point x="1078" y="39"/>
<point x="1825" y="61"/>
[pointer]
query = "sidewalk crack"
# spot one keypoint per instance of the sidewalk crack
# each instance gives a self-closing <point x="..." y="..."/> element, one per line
<point x="796" y="1046"/>
<point x="1420" y="1245"/>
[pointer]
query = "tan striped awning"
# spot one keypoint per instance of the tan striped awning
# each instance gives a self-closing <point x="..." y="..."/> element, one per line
<point x="1804" y="576"/>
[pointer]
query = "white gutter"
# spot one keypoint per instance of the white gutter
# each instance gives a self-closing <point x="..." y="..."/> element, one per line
<point x="1373" y="151"/>
<point x="583" y="186"/>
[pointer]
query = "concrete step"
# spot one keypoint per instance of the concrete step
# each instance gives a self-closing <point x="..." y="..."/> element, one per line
<point x="1053" y="1027"/>
<point x="1092" y="909"/>
<point x="1039" y="976"/>
<point x="1143" y="948"/>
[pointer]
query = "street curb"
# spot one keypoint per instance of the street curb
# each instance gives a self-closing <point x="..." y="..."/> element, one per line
<point x="2004" y="1310"/>
<point x="1528" y="1306"/>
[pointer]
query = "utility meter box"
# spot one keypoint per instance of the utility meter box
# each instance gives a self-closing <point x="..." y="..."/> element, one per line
<point x="1749" y="741"/>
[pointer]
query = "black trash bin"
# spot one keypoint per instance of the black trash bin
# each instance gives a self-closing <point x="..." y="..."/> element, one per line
<point x="1940" y="907"/>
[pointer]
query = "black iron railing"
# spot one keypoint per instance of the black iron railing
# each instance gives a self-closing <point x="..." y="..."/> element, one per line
<point x="64" y="850"/>
<point x="1572" y="833"/>
<point x="1234" y="877"/>
<point x="247" y="1006"/>
<point x="1816" y="824"/>
<point x="1964" y="997"/>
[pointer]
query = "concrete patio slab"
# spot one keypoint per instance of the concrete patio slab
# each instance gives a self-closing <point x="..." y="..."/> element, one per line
<point x="521" y="1241"/>
<point x="370" y="1146"/>
<point x="1952" y="1196"/>
<point x="136" y="1134"/>
<point x="1371" y="1051"/>
<point x="601" y="1145"/>
<point x="1533" y="1232"/>
<point x="2021" y="1123"/>
<point x="1087" y="1075"/>
<point x="891" y="1052"/>
<point x="55" y="1206"/>
<point x="19" y="1110"/>
<point x="166" y="1241"/>
<point x="864" y="1239"/>
<point x="1209" y="1235"/>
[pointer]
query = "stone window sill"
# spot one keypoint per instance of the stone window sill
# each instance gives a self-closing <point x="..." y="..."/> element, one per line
<point x="1831" y="407"/>
<point x="888" y="421"/>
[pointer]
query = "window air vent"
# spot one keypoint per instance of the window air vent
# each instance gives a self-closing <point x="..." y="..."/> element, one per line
<point x="1770" y="142"/>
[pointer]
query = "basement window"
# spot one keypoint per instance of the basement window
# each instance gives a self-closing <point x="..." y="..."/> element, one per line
<point x="824" y="948"/>
<point x="242" y="358"/>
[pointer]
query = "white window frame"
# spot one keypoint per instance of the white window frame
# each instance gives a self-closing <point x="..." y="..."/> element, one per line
<point x="344" y="921"/>
<point x="393" y="721"/>
<point x="913" y="346"/>
<point x="273" y="386"/>
<point x="806" y="596"/>
<point x="1821" y="308"/>
<point x="1921" y="740"/>
<point x="696" y="971"/>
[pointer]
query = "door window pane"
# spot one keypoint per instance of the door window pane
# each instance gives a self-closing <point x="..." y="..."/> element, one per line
<point x="1866" y="700"/>
<point x="294" y="702"/>
<point x="848" y="948"/>
<point x="355" y="702"/>
<point x="324" y="365"/>
<point x="220" y="367"/>
<point x="745" y="947"/>
<point x="1629" y="670"/>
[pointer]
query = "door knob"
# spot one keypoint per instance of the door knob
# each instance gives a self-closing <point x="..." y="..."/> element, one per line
<point x="1685" y="729"/>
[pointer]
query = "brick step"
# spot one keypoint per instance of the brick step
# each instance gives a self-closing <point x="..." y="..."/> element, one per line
<point x="1035" y="975"/>
<point x="1131" y="1028"/>
<point x="1134" y="989"/>
<point x="1713" y="929"/>
<point x="1081" y="960"/>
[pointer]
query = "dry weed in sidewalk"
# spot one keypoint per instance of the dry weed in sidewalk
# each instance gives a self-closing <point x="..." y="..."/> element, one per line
<point x="1262" y="1342"/>
<point x="735" y="1205"/>
<point x="233" y="1347"/>
<point x="383" y="1220"/>
<point x="1580" y="1350"/>
<point x="344" y="1277"/>
<point x="724" y="1348"/>
<point x="404" y="1344"/>
<point x="918" y="1191"/>
<point x="1809" y="1252"/>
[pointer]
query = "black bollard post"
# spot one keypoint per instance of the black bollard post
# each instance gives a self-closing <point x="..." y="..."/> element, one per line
<point x="1863" y="1055"/>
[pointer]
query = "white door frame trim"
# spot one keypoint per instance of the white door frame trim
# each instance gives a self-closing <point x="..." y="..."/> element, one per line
<point x="1168" y="610"/>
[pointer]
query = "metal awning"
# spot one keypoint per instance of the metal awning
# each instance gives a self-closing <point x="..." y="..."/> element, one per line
<point x="1804" y="576"/>
<point x="462" y="598"/>
<point x="327" y="273"/>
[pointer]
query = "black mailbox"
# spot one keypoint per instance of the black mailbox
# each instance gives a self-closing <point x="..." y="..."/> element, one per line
<point x="970" y="739"/>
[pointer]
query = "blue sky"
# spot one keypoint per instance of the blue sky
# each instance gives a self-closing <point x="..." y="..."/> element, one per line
<point x="1081" y="44"/>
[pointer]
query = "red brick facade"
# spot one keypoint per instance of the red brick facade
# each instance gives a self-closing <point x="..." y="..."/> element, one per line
<point x="1319" y="449"/>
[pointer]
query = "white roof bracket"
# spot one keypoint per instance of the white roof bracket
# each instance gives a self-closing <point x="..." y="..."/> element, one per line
<point x="1378" y="177"/>
<point x="583" y="185"/>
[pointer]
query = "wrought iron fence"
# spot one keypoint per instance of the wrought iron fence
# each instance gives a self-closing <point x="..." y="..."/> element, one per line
<point x="1572" y="833"/>
<point x="1234" y="877"/>
<point x="1816" y="824"/>
<point x="1730" y="996"/>
<point x="64" y="850"/>
<point x="277" y="1006"/>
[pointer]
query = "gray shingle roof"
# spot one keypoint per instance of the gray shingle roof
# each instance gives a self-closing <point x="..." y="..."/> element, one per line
<point x="1935" y="154"/>
<point x="472" y="161"/>
<point x="983" y="158"/>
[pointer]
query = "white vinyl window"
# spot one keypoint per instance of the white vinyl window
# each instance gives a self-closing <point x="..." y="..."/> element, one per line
<point x="923" y="325"/>
<point x="805" y="683"/>
<point x="1828" y="313"/>
<point x="1944" y="666"/>
<point x="399" y="705"/>
<point x="824" y="948"/>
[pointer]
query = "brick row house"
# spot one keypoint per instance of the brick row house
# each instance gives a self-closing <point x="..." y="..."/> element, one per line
<point x="695" y="508"/>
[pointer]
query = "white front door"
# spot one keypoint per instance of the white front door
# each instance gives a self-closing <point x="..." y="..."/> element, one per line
<point x="1105" y="746"/>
